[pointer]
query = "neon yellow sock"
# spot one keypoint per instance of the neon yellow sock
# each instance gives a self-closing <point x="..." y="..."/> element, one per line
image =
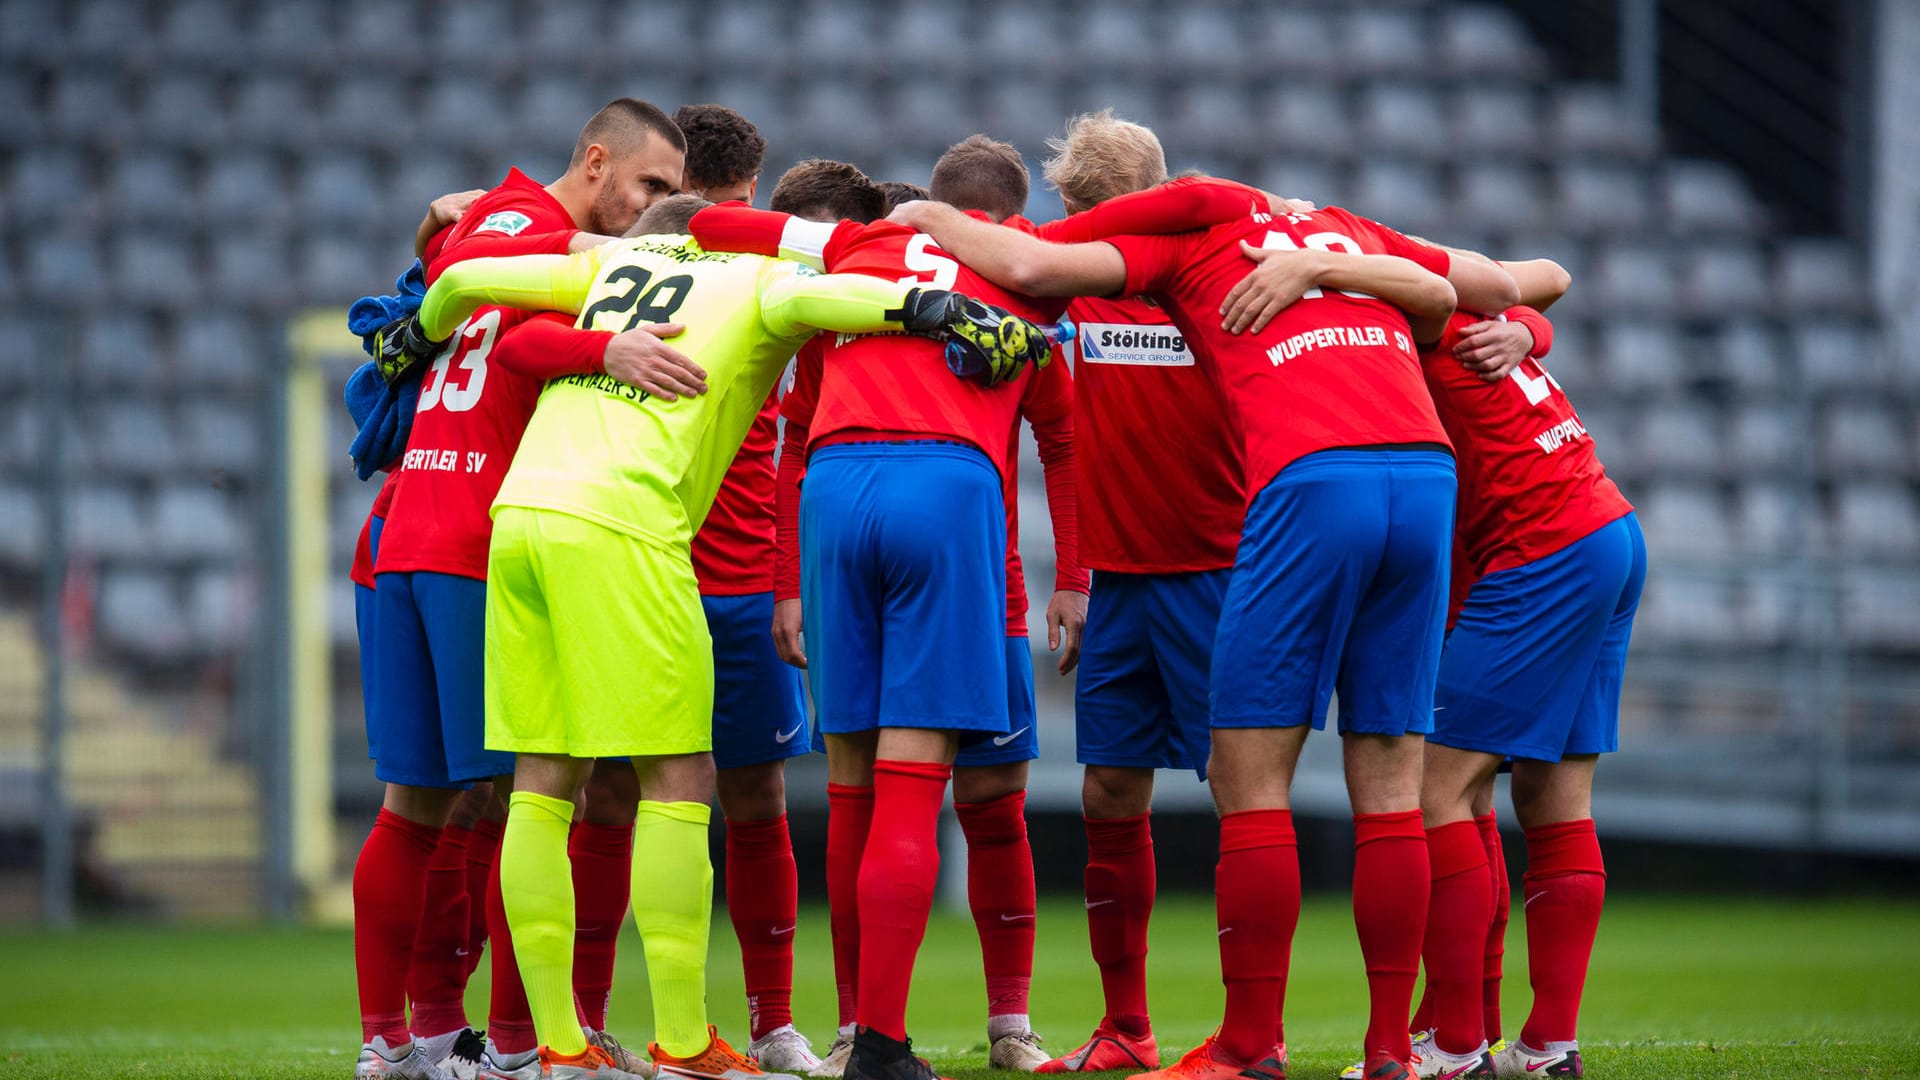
<point x="536" y="886"/>
<point x="673" y="906"/>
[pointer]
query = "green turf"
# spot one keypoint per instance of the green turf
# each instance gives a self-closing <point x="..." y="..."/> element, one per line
<point x="1680" y="988"/>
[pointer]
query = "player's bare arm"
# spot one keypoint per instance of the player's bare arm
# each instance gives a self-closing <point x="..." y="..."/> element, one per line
<point x="786" y="633"/>
<point x="1066" y="626"/>
<point x="1282" y="277"/>
<point x="586" y="241"/>
<point x="1479" y="283"/>
<point x="1542" y="281"/>
<point x="1013" y="260"/>
<point x="1495" y="347"/>
<point x="638" y="357"/>
<point x="442" y="212"/>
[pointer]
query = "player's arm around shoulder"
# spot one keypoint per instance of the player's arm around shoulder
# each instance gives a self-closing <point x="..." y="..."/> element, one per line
<point x="530" y="282"/>
<point x="1013" y="259"/>
<point x="797" y="301"/>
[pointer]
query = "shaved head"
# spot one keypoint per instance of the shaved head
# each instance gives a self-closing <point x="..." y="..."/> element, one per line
<point x="622" y="127"/>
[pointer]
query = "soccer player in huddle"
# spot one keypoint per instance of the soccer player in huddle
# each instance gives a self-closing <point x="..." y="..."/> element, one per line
<point x="760" y="709"/>
<point x="424" y="649"/>
<point x="1161" y="498"/>
<point x="990" y="776"/>
<point x="1344" y="550"/>
<point x="607" y="477"/>
<point x="903" y="567"/>
<point x="1532" y="673"/>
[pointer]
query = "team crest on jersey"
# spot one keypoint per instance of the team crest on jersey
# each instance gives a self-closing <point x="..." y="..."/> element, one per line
<point x="509" y="222"/>
<point x="1140" y="346"/>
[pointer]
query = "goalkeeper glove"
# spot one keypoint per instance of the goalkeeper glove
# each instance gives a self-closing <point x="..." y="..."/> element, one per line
<point x="400" y="347"/>
<point x="985" y="343"/>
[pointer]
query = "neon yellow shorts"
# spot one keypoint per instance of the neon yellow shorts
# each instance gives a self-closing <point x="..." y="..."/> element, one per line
<point x="597" y="645"/>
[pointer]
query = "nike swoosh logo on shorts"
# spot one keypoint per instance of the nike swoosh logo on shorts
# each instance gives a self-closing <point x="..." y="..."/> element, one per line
<point x="787" y="736"/>
<point x="1002" y="740"/>
<point x="1091" y="904"/>
<point x="1016" y="918"/>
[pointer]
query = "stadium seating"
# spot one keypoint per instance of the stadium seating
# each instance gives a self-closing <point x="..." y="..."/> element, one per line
<point x="216" y="167"/>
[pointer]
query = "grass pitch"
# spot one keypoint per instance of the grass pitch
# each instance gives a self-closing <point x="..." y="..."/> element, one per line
<point x="1679" y="988"/>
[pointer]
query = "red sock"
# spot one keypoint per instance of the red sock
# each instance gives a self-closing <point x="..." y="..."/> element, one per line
<point x="1497" y="931"/>
<point x="1391" y="877"/>
<point x="897" y="876"/>
<point x="849" y="820"/>
<point x="1459" y="912"/>
<point x="437" y="975"/>
<point x="1565" y="886"/>
<point x="1000" y="891"/>
<point x="509" y="1018"/>
<point x="389" y="889"/>
<point x="763" y="900"/>
<point x="602" y="879"/>
<point x="482" y="848"/>
<point x="1423" y="1009"/>
<point x="1257" y="897"/>
<point x="1120" y="887"/>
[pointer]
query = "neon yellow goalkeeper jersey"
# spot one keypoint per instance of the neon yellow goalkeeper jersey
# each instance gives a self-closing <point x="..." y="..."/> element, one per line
<point x="608" y="452"/>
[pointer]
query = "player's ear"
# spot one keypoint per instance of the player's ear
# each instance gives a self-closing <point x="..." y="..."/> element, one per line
<point x="595" y="161"/>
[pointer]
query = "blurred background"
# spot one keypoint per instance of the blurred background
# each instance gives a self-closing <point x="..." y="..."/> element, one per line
<point x="191" y="191"/>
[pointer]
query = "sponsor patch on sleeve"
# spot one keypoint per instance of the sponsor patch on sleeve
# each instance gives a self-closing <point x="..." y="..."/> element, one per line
<point x="506" y="222"/>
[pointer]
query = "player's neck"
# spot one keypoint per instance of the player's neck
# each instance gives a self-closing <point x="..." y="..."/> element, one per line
<point x="571" y="193"/>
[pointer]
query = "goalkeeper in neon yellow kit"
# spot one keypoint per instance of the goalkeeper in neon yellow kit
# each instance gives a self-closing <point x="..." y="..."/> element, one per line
<point x="597" y="644"/>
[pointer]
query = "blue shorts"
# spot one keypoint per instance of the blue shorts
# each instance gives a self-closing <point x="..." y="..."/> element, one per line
<point x="425" y="714"/>
<point x="903" y="586"/>
<point x="1340" y="584"/>
<point x="759" y="706"/>
<point x="1022" y="740"/>
<point x="1141" y="697"/>
<point x="363" y="626"/>
<point x="1533" y="667"/>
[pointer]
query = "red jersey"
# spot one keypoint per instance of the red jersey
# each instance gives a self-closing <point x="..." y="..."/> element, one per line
<point x="1530" y="482"/>
<point x="796" y="408"/>
<point x="1159" y="463"/>
<point x="733" y="552"/>
<point x="362" y="572"/>
<point x="888" y="383"/>
<point x="1048" y="407"/>
<point x="473" y="410"/>
<point x="519" y="217"/>
<point x="1046" y="402"/>
<point x="1333" y="370"/>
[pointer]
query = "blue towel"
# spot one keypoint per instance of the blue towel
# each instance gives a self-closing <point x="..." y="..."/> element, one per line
<point x="370" y="313"/>
<point x="383" y="413"/>
<point x="385" y="416"/>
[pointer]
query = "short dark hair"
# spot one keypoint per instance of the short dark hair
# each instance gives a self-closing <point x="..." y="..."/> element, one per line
<point x="899" y="191"/>
<point x="622" y="124"/>
<point x="820" y="188"/>
<point x="983" y="174"/>
<point x="671" y="216"/>
<point x="723" y="147"/>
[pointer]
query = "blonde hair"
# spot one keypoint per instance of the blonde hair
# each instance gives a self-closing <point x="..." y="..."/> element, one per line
<point x="1103" y="156"/>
